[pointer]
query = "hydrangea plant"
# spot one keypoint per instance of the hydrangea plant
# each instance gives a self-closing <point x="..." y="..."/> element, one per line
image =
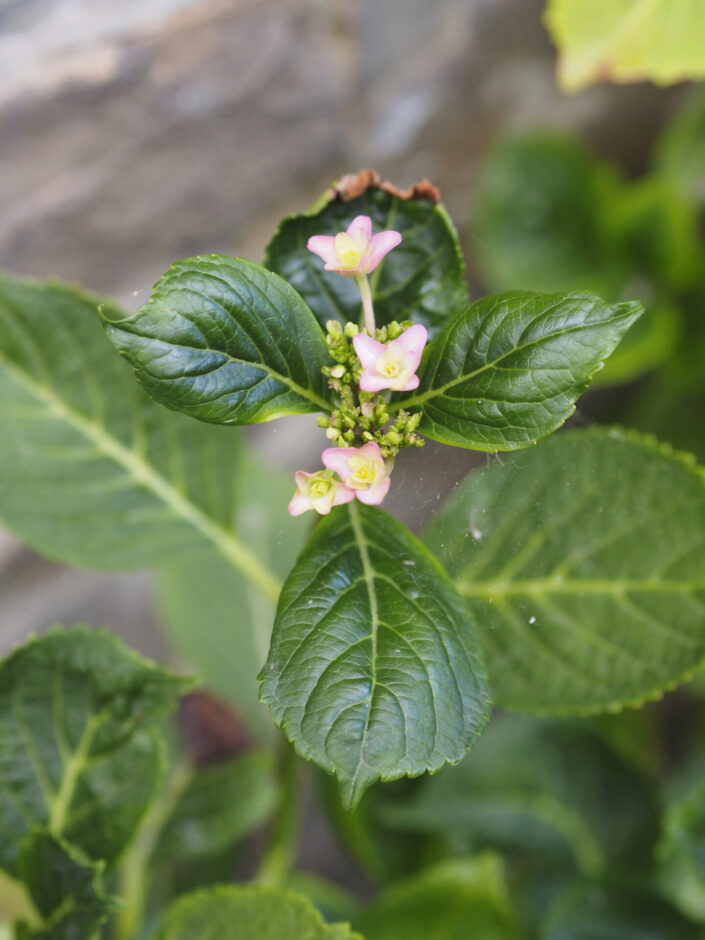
<point x="565" y="580"/>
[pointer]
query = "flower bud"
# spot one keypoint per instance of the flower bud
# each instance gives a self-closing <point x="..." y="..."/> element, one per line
<point x="332" y="434"/>
<point x="337" y="372"/>
<point x="413" y="422"/>
<point x="351" y="329"/>
<point x="323" y="421"/>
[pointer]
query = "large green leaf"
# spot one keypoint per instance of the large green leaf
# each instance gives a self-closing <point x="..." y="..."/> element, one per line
<point x="373" y="670"/>
<point x="627" y="40"/>
<point x="66" y="888"/>
<point x="226" y="341"/>
<point x="508" y="370"/>
<point x="247" y="913"/>
<point x="92" y="471"/>
<point x="617" y="912"/>
<point x="230" y="653"/>
<point x="584" y="563"/>
<point x="78" y="749"/>
<point x="540" y="789"/>
<point x="420" y="280"/>
<point x="455" y="900"/>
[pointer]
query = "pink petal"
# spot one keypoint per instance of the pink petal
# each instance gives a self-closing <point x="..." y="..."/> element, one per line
<point x="375" y="494"/>
<point x="368" y="350"/>
<point x="324" y="247"/>
<point x="360" y="229"/>
<point x="343" y="494"/>
<point x="336" y="459"/>
<point x="374" y="382"/>
<point x="413" y="340"/>
<point x="411" y="384"/>
<point x="368" y="451"/>
<point x="299" y="504"/>
<point x="380" y="244"/>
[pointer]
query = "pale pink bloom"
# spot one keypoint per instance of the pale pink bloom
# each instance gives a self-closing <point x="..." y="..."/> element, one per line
<point x="355" y="251"/>
<point x="362" y="469"/>
<point x="318" y="491"/>
<point x="393" y="364"/>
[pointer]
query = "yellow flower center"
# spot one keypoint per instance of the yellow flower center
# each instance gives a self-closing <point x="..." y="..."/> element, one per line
<point x="349" y="252"/>
<point x="319" y="487"/>
<point x="364" y="473"/>
<point x="391" y="369"/>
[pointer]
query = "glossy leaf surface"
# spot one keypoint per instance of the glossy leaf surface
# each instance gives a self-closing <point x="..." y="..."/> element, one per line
<point x="224" y="340"/>
<point x="508" y="370"/>
<point x="373" y="671"/>
<point x="627" y="40"/>
<point x="420" y="280"/>
<point x="78" y="753"/>
<point x="584" y="563"/>
<point x="453" y="901"/>
<point x="66" y="888"/>
<point x="230" y="913"/>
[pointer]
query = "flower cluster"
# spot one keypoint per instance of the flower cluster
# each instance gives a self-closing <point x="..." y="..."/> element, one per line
<point x="366" y="436"/>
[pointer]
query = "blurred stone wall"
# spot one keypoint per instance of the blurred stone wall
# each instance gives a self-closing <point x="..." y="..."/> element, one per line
<point x="135" y="132"/>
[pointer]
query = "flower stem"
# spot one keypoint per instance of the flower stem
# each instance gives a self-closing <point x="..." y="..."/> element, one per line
<point x="280" y="855"/>
<point x="367" y="308"/>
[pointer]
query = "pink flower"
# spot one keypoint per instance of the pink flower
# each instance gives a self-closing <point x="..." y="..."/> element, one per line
<point x="391" y="365"/>
<point x="362" y="469"/>
<point x="318" y="491"/>
<point x="356" y="251"/>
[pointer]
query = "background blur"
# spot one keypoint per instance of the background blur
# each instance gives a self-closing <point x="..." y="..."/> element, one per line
<point x="136" y="132"/>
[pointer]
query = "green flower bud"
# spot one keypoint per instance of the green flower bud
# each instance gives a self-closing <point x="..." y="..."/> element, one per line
<point x="351" y="329"/>
<point x="334" y="328"/>
<point x="323" y="421"/>
<point x="413" y="422"/>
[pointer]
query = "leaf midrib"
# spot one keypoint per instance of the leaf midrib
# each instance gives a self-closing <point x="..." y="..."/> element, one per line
<point x="559" y="585"/>
<point x="143" y="474"/>
<point x="416" y="400"/>
<point x="369" y="575"/>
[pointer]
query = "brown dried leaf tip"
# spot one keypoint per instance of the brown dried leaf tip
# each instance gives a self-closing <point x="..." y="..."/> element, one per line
<point x="352" y="185"/>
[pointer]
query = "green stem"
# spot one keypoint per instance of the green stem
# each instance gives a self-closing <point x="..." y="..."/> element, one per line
<point x="279" y="857"/>
<point x="134" y="873"/>
<point x="367" y="307"/>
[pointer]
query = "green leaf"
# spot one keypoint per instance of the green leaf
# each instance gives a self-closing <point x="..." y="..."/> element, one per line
<point x="542" y="217"/>
<point x="627" y="40"/>
<point x="230" y="913"/>
<point x="226" y="341"/>
<point x="373" y="669"/>
<point x="92" y="472"/>
<point x="229" y="654"/>
<point x="539" y="789"/>
<point x="596" y="912"/>
<point x="217" y="806"/>
<point x="78" y="749"/>
<point x="455" y="900"/>
<point x="583" y="561"/>
<point x="420" y="280"/>
<point x="67" y="889"/>
<point x="508" y="370"/>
